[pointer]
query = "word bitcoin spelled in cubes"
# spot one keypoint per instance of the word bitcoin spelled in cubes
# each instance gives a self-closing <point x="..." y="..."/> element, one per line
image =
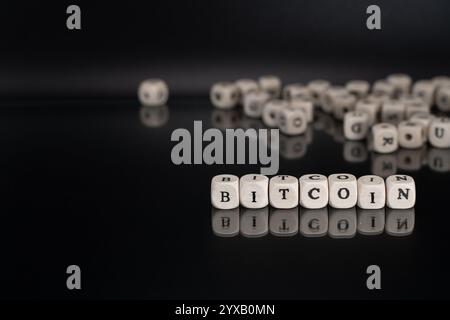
<point x="313" y="191"/>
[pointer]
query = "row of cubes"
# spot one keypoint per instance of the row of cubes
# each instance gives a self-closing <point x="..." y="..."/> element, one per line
<point x="313" y="191"/>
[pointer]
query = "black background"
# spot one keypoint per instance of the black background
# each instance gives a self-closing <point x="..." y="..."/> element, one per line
<point x="192" y="44"/>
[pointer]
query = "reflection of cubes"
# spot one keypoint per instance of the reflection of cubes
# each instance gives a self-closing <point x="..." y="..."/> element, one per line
<point x="284" y="222"/>
<point x="355" y="151"/>
<point x="371" y="221"/>
<point x="439" y="159"/>
<point x="400" y="222"/>
<point x="225" y="223"/>
<point x="225" y="119"/>
<point x="338" y="135"/>
<point x="384" y="165"/>
<point x="294" y="147"/>
<point x="254" y="222"/>
<point x="342" y="223"/>
<point x="154" y="117"/>
<point x="314" y="222"/>
<point x="411" y="159"/>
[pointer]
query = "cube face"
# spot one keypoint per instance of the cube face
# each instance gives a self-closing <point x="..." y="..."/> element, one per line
<point x="225" y="119"/>
<point x="424" y="119"/>
<point x="245" y="86"/>
<point x="355" y="151"/>
<point x="411" y="135"/>
<point x="356" y="125"/>
<point x="314" y="222"/>
<point x="225" y="223"/>
<point x="414" y="108"/>
<point x="317" y="88"/>
<point x="424" y="90"/>
<point x="296" y="91"/>
<point x="343" y="104"/>
<point x="443" y="98"/>
<point x="439" y="133"/>
<point x="293" y="147"/>
<point x="253" y="191"/>
<point x="393" y="112"/>
<point x="371" y="222"/>
<point x="292" y="122"/>
<point x="343" y="190"/>
<point x="385" y="138"/>
<point x="153" y="92"/>
<point x="283" y="192"/>
<point x="224" y="95"/>
<point x="254" y="222"/>
<point x="401" y="83"/>
<point x="371" y="108"/>
<point x="284" y="222"/>
<point x="342" y="223"/>
<point x="400" y="222"/>
<point x="272" y="110"/>
<point x="271" y="85"/>
<point x="313" y="191"/>
<point x="225" y="191"/>
<point x="304" y="105"/>
<point x="401" y="192"/>
<point x="328" y="95"/>
<point x="254" y="103"/>
<point x="411" y="159"/>
<point x="371" y="192"/>
<point x="358" y="88"/>
<point x="383" y="87"/>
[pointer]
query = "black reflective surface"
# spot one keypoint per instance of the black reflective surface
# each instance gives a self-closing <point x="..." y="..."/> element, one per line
<point x="92" y="184"/>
